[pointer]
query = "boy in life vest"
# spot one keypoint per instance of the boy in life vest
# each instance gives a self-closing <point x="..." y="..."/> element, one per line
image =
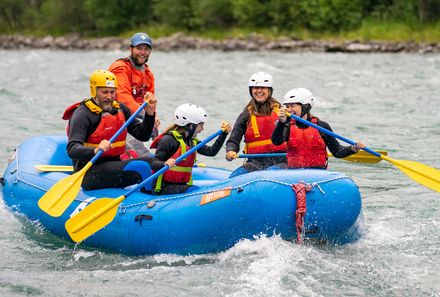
<point x="175" y="141"/>
<point x="306" y="146"/>
<point x="93" y="122"/>
<point x="256" y="124"/>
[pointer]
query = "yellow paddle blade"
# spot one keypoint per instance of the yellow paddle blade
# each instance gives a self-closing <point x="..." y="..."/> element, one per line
<point x="421" y="173"/>
<point x="364" y="157"/>
<point x="58" y="198"/>
<point x="93" y="218"/>
<point x="55" y="168"/>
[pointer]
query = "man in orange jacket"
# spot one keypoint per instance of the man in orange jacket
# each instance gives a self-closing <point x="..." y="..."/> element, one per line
<point x="136" y="83"/>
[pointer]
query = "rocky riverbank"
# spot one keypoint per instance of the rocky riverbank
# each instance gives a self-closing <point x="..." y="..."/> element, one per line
<point x="254" y="42"/>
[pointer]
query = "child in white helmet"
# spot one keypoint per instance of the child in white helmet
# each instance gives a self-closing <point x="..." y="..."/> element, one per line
<point x="189" y="120"/>
<point x="306" y="146"/>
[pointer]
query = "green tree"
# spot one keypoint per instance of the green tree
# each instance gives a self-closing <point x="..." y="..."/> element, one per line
<point x="329" y="15"/>
<point x="65" y="16"/>
<point x="115" y="16"/>
<point x="211" y="14"/>
<point x="10" y="15"/>
<point x="173" y="13"/>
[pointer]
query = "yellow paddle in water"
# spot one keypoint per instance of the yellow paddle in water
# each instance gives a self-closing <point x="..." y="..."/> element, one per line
<point x="58" y="198"/>
<point x="421" y="173"/>
<point x="359" y="157"/>
<point x="102" y="211"/>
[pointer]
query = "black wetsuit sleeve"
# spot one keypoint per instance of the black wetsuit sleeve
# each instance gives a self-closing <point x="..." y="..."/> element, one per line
<point x="213" y="150"/>
<point x="281" y="133"/>
<point x="139" y="129"/>
<point x="81" y="125"/>
<point x="166" y="147"/>
<point x="240" y="126"/>
<point x="337" y="150"/>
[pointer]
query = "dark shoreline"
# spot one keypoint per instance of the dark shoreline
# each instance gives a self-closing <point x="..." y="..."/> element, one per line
<point x="179" y="41"/>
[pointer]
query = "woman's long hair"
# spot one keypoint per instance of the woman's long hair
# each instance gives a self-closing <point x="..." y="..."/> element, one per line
<point x="182" y="130"/>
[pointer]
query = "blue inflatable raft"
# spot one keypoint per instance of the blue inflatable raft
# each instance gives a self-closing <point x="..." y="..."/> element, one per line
<point x="210" y="219"/>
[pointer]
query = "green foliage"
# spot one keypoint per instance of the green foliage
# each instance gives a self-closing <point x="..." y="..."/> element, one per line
<point x="278" y="15"/>
<point x="211" y="14"/>
<point x="173" y="13"/>
<point x="315" y="17"/>
<point x="114" y="16"/>
<point x="10" y="14"/>
<point x="65" y="16"/>
<point x="330" y="15"/>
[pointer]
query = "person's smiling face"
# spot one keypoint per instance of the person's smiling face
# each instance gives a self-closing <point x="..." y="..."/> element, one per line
<point x="140" y="53"/>
<point x="260" y="94"/>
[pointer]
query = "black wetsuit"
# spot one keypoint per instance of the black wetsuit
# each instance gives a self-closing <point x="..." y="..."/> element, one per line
<point x="233" y="144"/>
<point x="106" y="172"/>
<point x="282" y="131"/>
<point x="168" y="146"/>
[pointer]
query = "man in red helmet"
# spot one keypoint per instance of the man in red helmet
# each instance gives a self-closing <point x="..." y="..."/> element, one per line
<point x="136" y="83"/>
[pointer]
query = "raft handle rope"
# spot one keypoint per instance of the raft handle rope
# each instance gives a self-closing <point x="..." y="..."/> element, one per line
<point x="300" y="190"/>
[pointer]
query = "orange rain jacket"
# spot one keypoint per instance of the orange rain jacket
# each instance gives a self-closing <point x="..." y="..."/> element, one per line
<point x="132" y="83"/>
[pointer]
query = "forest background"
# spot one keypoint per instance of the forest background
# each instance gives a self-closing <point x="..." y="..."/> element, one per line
<point x="365" y="20"/>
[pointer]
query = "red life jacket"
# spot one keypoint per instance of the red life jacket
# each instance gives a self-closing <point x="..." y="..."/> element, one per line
<point x="305" y="147"/>
<point x="107" y="127"/>
<point x="182" y="172"/>
<point x="258" y="134"/>
<point x="141" y="82"/>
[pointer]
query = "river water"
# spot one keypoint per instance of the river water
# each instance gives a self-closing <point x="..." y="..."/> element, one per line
<point x="389" y="102"/>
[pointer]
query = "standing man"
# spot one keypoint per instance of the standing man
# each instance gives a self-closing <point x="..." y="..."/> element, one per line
<point x="93" y="122"/>
<point x="136" y="82"/>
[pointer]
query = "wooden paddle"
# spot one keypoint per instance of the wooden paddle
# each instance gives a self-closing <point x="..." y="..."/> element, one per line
<point x="102" y="211"/>
<point x="359" y="157"/>
<point x="421" y="173"/>
<point x="58" y="198"/>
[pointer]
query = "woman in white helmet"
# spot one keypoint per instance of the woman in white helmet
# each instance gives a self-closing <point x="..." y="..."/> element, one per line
<point x="306" y="146"/>
<point x="189" y="120"/>
<point x="256" y="124"/>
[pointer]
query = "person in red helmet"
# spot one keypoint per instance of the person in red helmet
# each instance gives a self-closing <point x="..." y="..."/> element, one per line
<point x="136" y="83"/>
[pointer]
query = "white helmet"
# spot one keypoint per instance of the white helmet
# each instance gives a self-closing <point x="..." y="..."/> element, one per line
<point x="299" y="95"/>
<point x="189" y="114"/>
<point x="261" y="79"/>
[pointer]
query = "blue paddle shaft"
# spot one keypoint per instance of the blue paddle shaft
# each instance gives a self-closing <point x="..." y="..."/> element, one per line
<point x="128" y="122"/>
<point x="268" y="155"/>
<point x="332" y="134"/>
<point x="181" y="158"/>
